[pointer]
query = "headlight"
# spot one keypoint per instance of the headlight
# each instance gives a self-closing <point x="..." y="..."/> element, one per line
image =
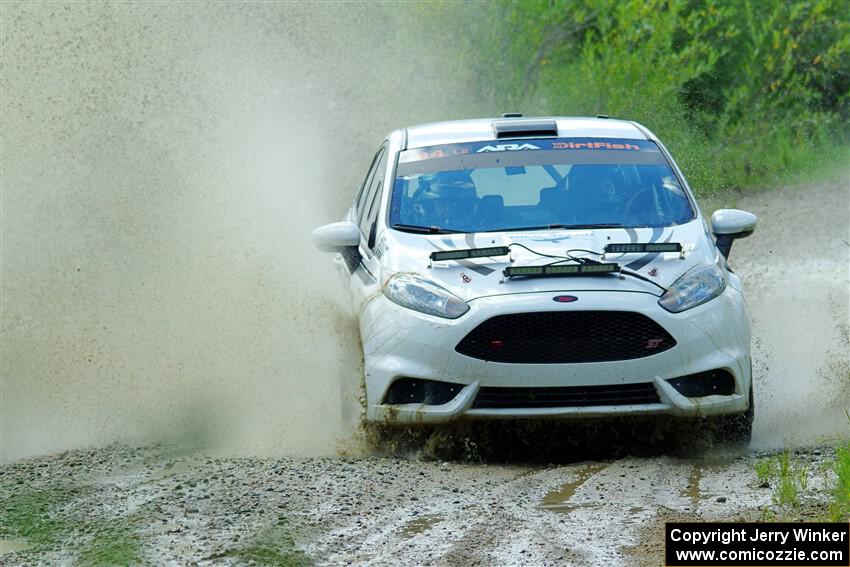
<point x="695" y="287"/>
<point x="419" y="294"/>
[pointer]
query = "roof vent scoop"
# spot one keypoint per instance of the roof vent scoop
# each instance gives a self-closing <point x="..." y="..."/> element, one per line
<point x="532" y="128"/>
<point x="512" y="115"/>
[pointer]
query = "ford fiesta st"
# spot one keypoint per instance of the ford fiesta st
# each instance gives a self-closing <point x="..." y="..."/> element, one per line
<point x="542" y="268"/>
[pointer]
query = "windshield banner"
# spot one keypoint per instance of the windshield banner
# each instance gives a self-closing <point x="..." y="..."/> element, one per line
<point x="498" y="153"/>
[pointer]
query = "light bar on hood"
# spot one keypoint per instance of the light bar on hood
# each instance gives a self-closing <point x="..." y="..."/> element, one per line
<point x="647" y="247"/>
<point x="470" y="253"/>
<point x="561" y="270"/>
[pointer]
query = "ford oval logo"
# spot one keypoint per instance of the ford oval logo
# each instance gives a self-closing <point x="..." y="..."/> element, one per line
<point x="565" y="298"/>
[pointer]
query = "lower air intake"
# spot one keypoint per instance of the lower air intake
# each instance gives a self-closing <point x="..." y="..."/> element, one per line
<point x="562" y="397"/>
<point x="419" y="391"/>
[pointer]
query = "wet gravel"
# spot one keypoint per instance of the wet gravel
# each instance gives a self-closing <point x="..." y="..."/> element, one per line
<point x="188" y="508"/>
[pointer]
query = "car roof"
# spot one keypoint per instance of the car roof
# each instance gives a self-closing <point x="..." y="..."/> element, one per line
<point x="483" y="129"/>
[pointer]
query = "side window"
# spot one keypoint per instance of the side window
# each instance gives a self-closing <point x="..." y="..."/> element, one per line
<point x="364" y="188"/>
<point x="373" y="195"/>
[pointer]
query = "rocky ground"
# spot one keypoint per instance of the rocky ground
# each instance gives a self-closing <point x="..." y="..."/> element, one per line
<point x="154" y="505"/>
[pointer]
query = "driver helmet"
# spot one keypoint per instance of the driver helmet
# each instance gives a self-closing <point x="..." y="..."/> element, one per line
<point x="595" y="184"/>
<point x="448" y="196"/>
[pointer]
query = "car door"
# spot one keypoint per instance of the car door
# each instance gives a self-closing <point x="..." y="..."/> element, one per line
<point x="365" y="278"/>
<point x="348" y="261"/>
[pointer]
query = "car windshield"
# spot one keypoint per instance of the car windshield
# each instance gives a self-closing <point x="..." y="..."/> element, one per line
<point x="534" y="184"/>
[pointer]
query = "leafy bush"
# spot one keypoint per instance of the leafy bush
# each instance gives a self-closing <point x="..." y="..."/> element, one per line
<point x="742" y="92"/>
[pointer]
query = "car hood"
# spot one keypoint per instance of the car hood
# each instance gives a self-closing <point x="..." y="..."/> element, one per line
<point x="475" y="278"/>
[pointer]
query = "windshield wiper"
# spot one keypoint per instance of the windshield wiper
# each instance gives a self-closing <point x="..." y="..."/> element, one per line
<point x="597" y="225"/>
<point x="541" y="227"/>
<point x="561" y="226"/>
<point x="425" y="229"/>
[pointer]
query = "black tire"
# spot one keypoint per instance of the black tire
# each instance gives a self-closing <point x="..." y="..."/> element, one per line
<point x="735" y="429"/>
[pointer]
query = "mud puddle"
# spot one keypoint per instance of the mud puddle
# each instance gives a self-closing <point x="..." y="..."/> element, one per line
<point x="558" y="500"/>
<point x="692" y="491"/>
<point x="13" y="545"/>
<point x="419" y="525"/>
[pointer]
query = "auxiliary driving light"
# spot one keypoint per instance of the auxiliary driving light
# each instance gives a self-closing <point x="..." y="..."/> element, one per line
<point x="648" y="247"/>
<point x="470" y="253"/>
<point x="567" y="270"/>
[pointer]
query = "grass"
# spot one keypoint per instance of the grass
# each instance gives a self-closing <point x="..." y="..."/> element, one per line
<point x="273" y="546"/>
<point x="113" y="544"/>
<point x="764" y="470"/>
<point x="839" y="509"/>
<point x="269" y="555"/>
<point x="53" y="519"/>
<point x="792" y="480"/>
<point x="38" y="517"/>
<point x="33" y="515"/>
<point x="808" y="166"/>
<point x="787" y="476"/>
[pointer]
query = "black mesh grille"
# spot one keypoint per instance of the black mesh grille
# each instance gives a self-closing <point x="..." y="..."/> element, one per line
<point x="553" y="337"/>
<point x="573" y="396"/>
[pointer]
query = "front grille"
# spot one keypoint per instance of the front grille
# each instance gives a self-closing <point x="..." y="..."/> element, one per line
<point x="572" y="396"/>
<point x="556" y="337"/>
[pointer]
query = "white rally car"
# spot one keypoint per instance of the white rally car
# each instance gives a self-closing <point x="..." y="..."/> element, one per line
<point x="542" y="268"/>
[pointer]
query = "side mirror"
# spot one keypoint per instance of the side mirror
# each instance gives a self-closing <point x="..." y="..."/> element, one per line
<point x="730" y="224"/>
<point x="337" y="236"/>
<point x="342" y="237"/>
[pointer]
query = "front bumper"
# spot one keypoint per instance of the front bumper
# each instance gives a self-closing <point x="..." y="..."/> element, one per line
<point x="398" y="343"/>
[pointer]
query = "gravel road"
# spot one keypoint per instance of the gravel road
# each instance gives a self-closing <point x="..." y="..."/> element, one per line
<point x="602" y="505"/>
<point x="191" y="509"/>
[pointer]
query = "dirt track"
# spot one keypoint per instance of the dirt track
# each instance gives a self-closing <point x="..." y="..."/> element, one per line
<point x="393" y="511"/>
<point x="179" y="508"/>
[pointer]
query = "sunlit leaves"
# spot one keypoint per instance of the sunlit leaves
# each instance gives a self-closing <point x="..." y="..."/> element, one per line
<point x="723" y="83"/>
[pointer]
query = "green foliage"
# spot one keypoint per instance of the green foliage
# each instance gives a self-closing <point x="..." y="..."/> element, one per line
<point x="46" y="521"/>
<point x="839" y="510"/>
<point x="742" y="92"/>
<point x="788" y="477"/>
<point x="112" y="545"/>
<point x="38" y="516"/>
<point x="33" y="515"/>
<point x="269" y="555"/>
<point x="273" y="546"/>
<point x="764" y="470"/>
<point x="791" y="480"/>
